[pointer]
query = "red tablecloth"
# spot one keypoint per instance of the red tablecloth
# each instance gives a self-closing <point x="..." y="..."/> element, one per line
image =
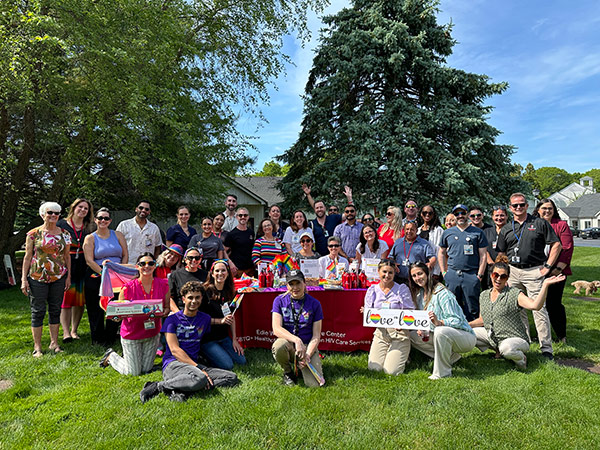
<point x="342" y="328"/>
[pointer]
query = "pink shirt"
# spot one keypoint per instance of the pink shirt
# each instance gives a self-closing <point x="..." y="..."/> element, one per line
<point x="133" y="327"/>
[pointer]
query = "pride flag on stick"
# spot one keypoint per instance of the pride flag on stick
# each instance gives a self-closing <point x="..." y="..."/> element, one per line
<point x="114" y="277"/>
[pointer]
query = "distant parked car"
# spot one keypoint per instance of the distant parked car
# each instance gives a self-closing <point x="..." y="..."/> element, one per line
<point x="575" y="231"/>
<point x="592" y="233"/>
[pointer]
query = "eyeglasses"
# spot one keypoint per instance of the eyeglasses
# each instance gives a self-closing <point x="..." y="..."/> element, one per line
<point x="502" y="276"/>
<point x="460" y="213"/>
<point x="410" y="206"/>
<point x="304" y="241"/>
<point x="194" y="258"/>
<point x="334" y="246"/>
<point x="473" y="216"/>
<point x="518" y="205"/>
<point x="52" y="213"/>
<point x="427" y="213"/>
<point x="547" y="208"/>
<point x="242" y="215"/>
<point x="146" y="263"/>
<point x="103" y="218"/>
<point x="143" y="208"/>
<point x="499" y="207"/>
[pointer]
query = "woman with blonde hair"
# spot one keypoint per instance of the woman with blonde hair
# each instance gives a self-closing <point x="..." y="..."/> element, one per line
<point x="392" y="229"/>
<point x="78" y="224"/>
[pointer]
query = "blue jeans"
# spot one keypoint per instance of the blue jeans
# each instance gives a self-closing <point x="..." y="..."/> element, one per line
<point x="220" y="354"/>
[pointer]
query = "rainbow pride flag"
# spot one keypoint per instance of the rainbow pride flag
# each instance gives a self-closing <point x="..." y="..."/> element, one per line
<point x="331" y="266"/>
<point x="114" y="277"/>
<point x="284" y="263"/>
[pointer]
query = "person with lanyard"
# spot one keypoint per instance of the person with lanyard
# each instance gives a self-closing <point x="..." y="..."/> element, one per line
<point x="499" y="217"/>
<point x="349" y="233"/>
<point x="140" y="334"/>
<point x="212" y="247"/>
<point x="229" y="214"/>
<point x="462" y="260"/>
<point x="524" y="242"/>
<point x="181" y="372"/>
<point x="191" y="271"/>
<point x="370" y="246"/>
<point x="78" y="225"/>
<point x="280" y="225"/>
<point x="411" y="212"/>
<point x="390" y="347"/>
<point x="218" y="222"/>
<point x="328" y="265"/>
<point x="500" y="325"/>
<point x="323" y="225"/>
<point x="221" y="350"/>
<point x="431" y="230"/>
<point x="239" y="243"/>
<point x="410" y="249"/>
<point x="140" y="234"/>
<point x="267" y="246"/>
<point x="181" y="232"/>
<point x="297" y="318"/>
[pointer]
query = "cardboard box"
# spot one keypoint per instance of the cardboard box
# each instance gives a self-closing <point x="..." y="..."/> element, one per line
<point x="148" y="308"/>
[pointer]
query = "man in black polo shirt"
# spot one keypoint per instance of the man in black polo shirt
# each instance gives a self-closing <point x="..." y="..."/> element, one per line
<point x="238" y="244"/>
<point x="523" y="241"/>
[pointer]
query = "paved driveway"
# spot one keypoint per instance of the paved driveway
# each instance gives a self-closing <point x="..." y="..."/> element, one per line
<point x="586" y="242"/>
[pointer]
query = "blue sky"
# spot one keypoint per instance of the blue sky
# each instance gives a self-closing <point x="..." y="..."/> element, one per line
<point x="548" y="52"/>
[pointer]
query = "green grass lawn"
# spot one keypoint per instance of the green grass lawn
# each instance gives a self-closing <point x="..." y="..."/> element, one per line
<point x="67" y="401"/>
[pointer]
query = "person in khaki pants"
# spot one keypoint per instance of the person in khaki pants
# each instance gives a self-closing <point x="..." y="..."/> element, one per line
<point x="390" y="347"/>
<point x="297" y="318"/>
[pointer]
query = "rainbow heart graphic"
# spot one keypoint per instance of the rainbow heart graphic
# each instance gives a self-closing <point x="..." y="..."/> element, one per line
<point x="375" y="318"/>
<point x="408" y="320"/>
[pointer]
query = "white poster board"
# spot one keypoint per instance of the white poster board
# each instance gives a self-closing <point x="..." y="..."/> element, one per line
<point x="310" y="268"/>
<point x="408" y="319"/>
<point x="370" y="268"/>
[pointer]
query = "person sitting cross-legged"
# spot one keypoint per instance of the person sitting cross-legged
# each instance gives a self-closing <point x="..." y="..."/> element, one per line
<point x="182" y="375"/>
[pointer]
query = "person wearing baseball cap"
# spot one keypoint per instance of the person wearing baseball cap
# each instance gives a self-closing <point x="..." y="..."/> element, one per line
<point x="462" y="260"/>
<point x="297" y="319"/>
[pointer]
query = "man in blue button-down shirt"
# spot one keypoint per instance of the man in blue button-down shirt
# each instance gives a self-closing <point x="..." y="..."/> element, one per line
<point x="349" y="232"/>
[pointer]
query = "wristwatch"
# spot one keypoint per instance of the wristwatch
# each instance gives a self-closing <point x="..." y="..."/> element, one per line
<point x="547" y="266"/>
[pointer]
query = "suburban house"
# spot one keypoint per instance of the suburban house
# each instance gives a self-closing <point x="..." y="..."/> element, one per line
<point x="572" y="192"/>
<point x="255" y="193"/>
<point x="583" y="212"/>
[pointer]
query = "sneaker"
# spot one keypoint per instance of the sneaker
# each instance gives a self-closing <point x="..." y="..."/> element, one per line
<point x="150" y="390"/>
<point x="549" y="356"/>
<point x="104" y="361"/>
<point x="522" y="365"/>
<point x="179" y="397"/>
<point x="290" y="379"/>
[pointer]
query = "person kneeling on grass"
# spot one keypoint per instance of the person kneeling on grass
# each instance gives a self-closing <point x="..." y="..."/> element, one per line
<point x="499" y="324"/>
<point x="297" y="318"/>
<point x="182" y="375"/>
<point x="390" y="347"/>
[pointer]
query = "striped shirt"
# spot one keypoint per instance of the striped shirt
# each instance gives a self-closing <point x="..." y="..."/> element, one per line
<point x="266" y="251"/>
<point x="443" y="303"/>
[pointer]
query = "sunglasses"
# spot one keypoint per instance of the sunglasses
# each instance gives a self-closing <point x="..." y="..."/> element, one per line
<point x="410" y="206"/>
<point x="349" y="211"/>
<point x="499" y="207"/>
<point x="427" y="213"/>
<point x="146" y="263"/>
<point x="103" y="218"/>
<point x="473" y="216"/>
<point x="242" y="215"/>
<point x="143" y="208"/>
<point x="502" y="276"/>
<point x="389" y="213"/>
<point x="194" y="258"/>
<point x="518" y="205"/>
<point x="52" y="213"/>
<point x="548" y="208"/>
<point x="333" y="210"/>
<point x="304" y="241"/>
<point x="460" y="213"/>
<point x="368" y="219"/>
<point x="334" y="246"/>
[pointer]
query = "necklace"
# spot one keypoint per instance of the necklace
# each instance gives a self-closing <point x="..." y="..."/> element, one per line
<point x="77" y="237"/>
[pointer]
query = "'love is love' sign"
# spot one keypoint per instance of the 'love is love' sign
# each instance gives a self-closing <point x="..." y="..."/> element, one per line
<point x="410" y="319"/>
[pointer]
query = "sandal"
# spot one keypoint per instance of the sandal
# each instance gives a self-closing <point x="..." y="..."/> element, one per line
<point x="75" y="336"/>
<point x="37" y="354"/>
<point x="104" y="361"/>
<point x="56" y="349"/>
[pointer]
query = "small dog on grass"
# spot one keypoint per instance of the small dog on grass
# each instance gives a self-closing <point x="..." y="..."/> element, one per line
<point x="589" y="286"/>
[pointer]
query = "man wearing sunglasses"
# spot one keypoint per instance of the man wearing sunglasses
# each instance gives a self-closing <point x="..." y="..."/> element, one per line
<point x="476" y="218"/>
<point x="140" y="234"/>
<point x="499" y="217"/>
<point x="462" y="260"/>
<point x="324" y="225"/>
<point x="524" y="242"/>
<point x="239" y="243"/>
<point x="349" y="233"/>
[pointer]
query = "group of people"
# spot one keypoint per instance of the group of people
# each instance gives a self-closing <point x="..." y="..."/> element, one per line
<point x="460" y="273"/>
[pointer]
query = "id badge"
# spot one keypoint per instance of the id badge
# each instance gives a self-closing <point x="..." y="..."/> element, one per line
<point x="385" y="305"/>
<point x="468" y="249"/>
<point x="325" y="232"/>
<point x="226" y="310"/>
<point x="406" y="263"/>
<point x="515" y="259"/>
<point x="148" y="242"/>
<point x="494" y="245"/>
<point x="295" y="239"/>
<point x="149" y="325"/>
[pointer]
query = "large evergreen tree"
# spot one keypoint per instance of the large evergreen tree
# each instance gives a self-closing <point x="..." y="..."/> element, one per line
<point x="386" y="115"/>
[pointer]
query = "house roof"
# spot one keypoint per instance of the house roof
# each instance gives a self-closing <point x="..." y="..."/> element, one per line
<point x="262" y="187"/>
<point x="585" y="206"/>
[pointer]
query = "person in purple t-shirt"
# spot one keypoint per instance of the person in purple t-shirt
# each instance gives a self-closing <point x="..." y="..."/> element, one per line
<point x="390" y="347"/>
<point x="297" y="318"/>
<point x="182" y="375"/>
